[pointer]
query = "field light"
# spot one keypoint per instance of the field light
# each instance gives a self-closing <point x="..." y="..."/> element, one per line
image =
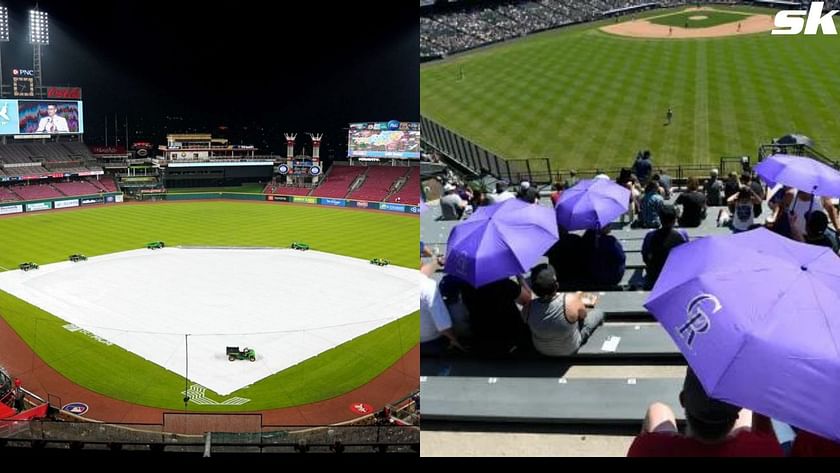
<point x="39" y="28"/>
<point x="4" y="24"/>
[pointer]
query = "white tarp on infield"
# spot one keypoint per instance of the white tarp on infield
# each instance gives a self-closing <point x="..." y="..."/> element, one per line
<point x="288" y="305"/>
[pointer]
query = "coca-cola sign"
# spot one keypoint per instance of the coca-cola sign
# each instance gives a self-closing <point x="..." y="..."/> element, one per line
<point x="64" y="93"/>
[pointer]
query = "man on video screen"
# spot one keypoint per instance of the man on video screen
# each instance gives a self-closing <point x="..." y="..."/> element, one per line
<point x="53" y="123"/>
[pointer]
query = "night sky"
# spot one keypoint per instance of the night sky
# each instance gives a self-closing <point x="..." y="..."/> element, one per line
<point x="306" y="66"/>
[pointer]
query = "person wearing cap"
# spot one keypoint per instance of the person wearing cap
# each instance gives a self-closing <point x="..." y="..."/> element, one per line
<point x="714" y="429"/>
<point x="658" y="244"/>
<point x="451" y="205"/>
<point x="530" y="195"/>
<point x="19" y="404"/>
<point x="559" y="321"/>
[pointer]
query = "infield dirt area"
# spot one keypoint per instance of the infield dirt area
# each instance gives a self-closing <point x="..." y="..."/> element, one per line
<point x="646" y="29"/>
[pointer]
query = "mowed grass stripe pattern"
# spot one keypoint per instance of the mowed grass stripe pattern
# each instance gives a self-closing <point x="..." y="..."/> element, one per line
<point x="587" y="99"/>
<point x="53" y="236"/>
<point x="114" y="372"/>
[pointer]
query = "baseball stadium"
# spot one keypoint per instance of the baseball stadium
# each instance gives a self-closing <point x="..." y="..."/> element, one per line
<point x="196" y="294"/>
<point x="625" y="167"/>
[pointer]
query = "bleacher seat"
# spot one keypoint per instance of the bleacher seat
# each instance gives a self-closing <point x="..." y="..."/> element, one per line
<point x="409" y="194"/>
<point x="338" y="180"/>
<point x="545" y="400"/>
<point x="379" y="181"/>
<point x="76" y="188"/>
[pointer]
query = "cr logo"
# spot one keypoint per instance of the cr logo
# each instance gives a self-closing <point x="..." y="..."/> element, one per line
<point x="697" y="320"/>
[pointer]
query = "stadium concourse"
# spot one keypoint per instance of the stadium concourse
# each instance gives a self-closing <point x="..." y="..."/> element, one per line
<point x="501" y="394"/>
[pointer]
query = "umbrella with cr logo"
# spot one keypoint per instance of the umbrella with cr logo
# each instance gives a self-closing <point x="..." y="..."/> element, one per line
<point x="757" y="316"/>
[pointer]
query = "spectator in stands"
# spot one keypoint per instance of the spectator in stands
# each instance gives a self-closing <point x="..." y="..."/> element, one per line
<point x="658" y="244"/>
<point x="436" y="335"/>
<point x="451" y="205"/>
<point x="731" y="187"/>
<point x="650" y="206"/>
<point x="664" y="182"/>
<point x="800" y="203"/>
<point x="748" y="180"/>
<point x="604" y="257"/>
<point x="714" y="189"/>
<point x="559" y="187"/>
<point x="642" y="167"/>
<point x="450" y="289"/>
<point x="816" y="231"/>
<point x="572" y="180"/>
<point x="502" y="194"/>
<point x="693" y="204"/>
<point x="495" y="319"/>
<point x="19" y="403"/>
<point x="714" y="429"/>
<point x="741" y="209"/>
<point x="567" y="254"/>
<point x="559" y="321"/>
<point x="530" y="195"/>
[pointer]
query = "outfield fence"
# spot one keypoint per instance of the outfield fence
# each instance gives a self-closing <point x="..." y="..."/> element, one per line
<point x="280" y="198"/>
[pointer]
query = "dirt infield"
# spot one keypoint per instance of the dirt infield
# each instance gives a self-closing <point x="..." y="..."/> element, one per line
<point x="645" y="29"/>
<point x="396" y="382"/>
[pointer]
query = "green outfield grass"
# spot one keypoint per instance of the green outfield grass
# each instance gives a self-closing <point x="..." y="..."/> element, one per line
<point x="112" y="371"/>
<point x="713" y="18"/>
<point x="587" y="99"/>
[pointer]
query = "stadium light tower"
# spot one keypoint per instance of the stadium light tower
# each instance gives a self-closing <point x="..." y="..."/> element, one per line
<point x="39" y="35"/>
<point x="4" y="38"/>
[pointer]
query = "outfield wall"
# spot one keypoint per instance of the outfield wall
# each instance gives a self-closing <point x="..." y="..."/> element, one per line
<point x="26" y="206"/>
<point x="295" y="199"/>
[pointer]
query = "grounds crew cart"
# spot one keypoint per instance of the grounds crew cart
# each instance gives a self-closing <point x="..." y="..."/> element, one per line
<point x="300" y="246"/>
<point x="28" y="265"/>
<point x="234" y="353"/>
<point x="155" y="245"/>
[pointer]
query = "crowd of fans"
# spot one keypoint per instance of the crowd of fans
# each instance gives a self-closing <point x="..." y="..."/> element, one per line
<point x="475" y="25"/>
<point x="548" y="313"/>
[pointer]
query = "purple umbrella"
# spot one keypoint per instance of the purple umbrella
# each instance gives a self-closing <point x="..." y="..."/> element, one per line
<point x="805" y="174"/>
<point x="591" y="204"/>
<point x="757" y="316"/>
<point x="500" y="241"/>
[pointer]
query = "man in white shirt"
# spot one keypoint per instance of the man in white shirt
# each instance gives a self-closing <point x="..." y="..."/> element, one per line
<point x="53" y="123"/>
<point x="435" y="322"/>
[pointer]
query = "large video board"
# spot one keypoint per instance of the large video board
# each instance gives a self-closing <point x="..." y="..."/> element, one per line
<point x="36" y="117"/>
<point x="384" y="140"/>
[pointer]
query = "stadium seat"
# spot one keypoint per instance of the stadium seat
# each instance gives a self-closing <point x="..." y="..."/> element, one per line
<point x="545" y="400"/>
